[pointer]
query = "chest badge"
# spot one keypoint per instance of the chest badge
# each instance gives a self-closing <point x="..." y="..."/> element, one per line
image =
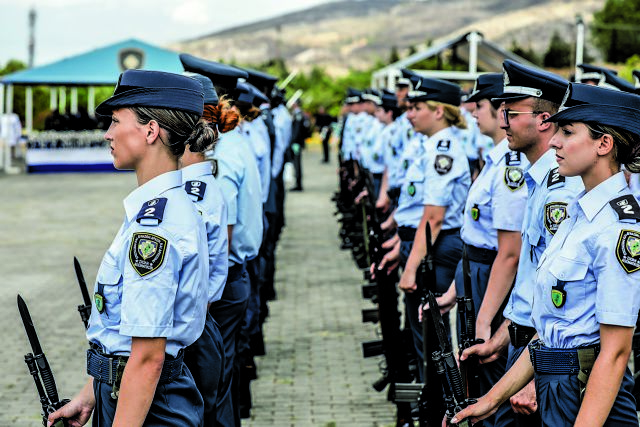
<point x="443" y="164"/>
<point x="628" y="250"/>
<point x="513" y="177"/>
<point x="411" y="190"/>
<point x="558" y="295"/>
<point x="554" y="214"/>
<point x="475" y="212"/>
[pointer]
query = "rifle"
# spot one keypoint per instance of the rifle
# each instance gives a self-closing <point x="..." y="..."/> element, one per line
<point x="83" y="309"/>
<point x="40" y="371"/>
<point x="454" y="391"/>
<point x="467" y="316"/>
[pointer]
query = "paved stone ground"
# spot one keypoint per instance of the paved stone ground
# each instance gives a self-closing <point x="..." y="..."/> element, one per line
<point x="313" y="373"/>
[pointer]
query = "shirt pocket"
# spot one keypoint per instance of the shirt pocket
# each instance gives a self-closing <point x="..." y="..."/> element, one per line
<point x="109" y="286"/>
<point x="566" y="291"/>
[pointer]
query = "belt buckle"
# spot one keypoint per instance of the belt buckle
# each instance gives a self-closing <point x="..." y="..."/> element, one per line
<point x="115" y="388"/>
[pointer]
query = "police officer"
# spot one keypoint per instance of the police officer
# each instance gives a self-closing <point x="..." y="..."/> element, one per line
<point x="383" y="158"/>
<point x="205" y="358"/>
<point x="604" y="77"/>
<point x="586" y="297"/>
<point x="530" y="97"/>
<point x="151" y="288"/>
<point x="491" y="225"/>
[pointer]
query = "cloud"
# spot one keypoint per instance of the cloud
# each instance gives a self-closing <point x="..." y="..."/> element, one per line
<point x="191" y="12"/>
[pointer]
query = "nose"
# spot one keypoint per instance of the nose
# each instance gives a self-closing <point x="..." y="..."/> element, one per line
<point x="555" y="140"/>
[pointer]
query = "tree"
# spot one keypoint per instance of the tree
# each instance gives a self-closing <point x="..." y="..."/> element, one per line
<point x="394" y="56"/>
<point x="559" y="53"/>
<point x="528" y="54"/>
<point x="615" y="29"/>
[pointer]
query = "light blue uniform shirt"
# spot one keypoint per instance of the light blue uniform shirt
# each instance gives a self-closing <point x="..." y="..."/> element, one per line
<point x="593" y="258"/>
<point x="154" y="278"/>
<point x="412" y="180"/>
<point x="368" y="147"/>
<point x="240" y="185"/>
<point x="355" y="131"/>
<point x="257" y="134"/>
<point x="497" y="198"/>
<point x="447" y="176"/>
<point x="393" y="154"/>
<point x="204" y="191"/>
<point x="282" y="123"/>
<point x="469" y="136"/>
<point x="548" y="196"/>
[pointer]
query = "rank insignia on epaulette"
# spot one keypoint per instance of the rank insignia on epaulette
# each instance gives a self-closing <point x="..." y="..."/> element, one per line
<point x="147" y="252"/>
<point x="152" y="211"/>
<point x="512" y="158"/>
<point x="196" y="188"/>
<point x="475" y="212"/>
<point x="554" y="214"/>
<point x="554" y="178"/>
<point x="443" y="145"/>
<point x="443" y="164"/>
<point x="411" y="190"/>
<point x="558" y="295"/>
<point x="513" y="177"/>
<point x="626" y="207"/>
<point x="628" y="250"/>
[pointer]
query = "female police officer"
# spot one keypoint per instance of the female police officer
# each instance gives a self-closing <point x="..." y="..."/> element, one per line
<point x="151" y="287"/>
<point x="586" y="297"/>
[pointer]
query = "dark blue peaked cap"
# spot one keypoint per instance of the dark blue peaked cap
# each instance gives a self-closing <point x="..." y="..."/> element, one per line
<point x="210" y="94"/>
<point x="487" y="86"/>
<point x="521" y="81"/>
<point x="156" y="89"/>
<point x="636" y="77"/>
<point x="221" y="75"/>
<point x="605" y="77"/>
<point x="246" y="92"/>
<point x="389" y="100"/>
<point x="409" y="78"/>
<point x="592" y="104"/>
<point x="259" y="79"/>
<point x="372" y="95"/>
<point x="427" y="89"/>
<point x="353" y="96"/>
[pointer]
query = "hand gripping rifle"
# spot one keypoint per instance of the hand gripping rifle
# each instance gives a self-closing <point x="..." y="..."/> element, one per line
<point x="40" y="370"/>
<point x="454" y="391"/>
<point x="467" y="316"/>
<point x="83" y="309"/>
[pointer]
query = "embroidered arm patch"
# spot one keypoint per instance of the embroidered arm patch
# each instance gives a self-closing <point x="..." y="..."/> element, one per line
<point x="147" y="252"/>
<point x="152" y="212"/>
<point x="554" y="214"/>
<point x="628" y="250"/>
<point x="513" y="177"/>
<point x="196" y="188"/>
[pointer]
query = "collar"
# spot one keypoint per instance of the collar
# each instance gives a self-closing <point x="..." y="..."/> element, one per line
<point x="196" y="170"/>
<point x="592" y="202"/>
<point x="150" y="190"/>
<point x="539" y="170"/>
<point x="441" y="134"/>
<point x="498" y="152"/>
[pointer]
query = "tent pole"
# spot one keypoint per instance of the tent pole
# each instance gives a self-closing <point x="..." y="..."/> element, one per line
<point x="63" y="100"/>
<point x="91" y="102"/>
<point x="53" y="98"/>
<point x="28" y="109"/>
<point x="74" y="100"/>
<point x="2" y="141"/>
<point x="9" y="100"/>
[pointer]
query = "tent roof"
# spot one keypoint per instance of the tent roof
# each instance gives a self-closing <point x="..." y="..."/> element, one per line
<point x="100" y="66"/>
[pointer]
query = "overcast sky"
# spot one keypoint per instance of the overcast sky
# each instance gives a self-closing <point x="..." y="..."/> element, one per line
<point x="68" y="27"/>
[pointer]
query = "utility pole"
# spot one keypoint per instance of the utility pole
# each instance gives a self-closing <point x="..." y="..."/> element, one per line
<point x="32" y="35"/>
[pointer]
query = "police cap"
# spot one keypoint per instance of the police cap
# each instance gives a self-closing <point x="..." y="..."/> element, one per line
<point x="428" y="89"/>
<point x="221" y="75"/>
<point x="210" y="94"/>
<point x="522" y="81"/>
<point x="487" y="86"/>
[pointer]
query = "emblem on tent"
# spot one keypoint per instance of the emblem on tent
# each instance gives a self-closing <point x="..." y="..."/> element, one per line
<point x="130" y="59"/>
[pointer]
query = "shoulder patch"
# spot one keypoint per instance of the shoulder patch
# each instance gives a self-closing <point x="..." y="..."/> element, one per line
<point x="443" y="164"/>
<point x="628" y="250"/>
<point x="554" y="178"/>
<point x="147" y="252"/>
<point x="513" y="177"/>
<point x="152" y="212"/>
<point x="626" y="207"/>
<point x="554" y="214"/>
<point x="512" y="158"/>
<point x="196" y="188"/>
<point x="443" y="145"/>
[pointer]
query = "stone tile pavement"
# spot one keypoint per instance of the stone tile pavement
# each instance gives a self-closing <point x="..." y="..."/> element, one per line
<point x="313" y="373"/>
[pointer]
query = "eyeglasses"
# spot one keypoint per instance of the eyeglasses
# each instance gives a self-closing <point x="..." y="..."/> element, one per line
<point x="506" y="113"/>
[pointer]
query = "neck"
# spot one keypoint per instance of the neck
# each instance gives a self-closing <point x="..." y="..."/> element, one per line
<point x="437" y="128"/>
<point x="535" y="151"/>
<point x="596" y="175"/>
<point x="498" y="136"/>
<point x="154" y="166"/>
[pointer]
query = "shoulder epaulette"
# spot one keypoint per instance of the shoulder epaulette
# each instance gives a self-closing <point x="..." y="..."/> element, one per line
<point x="196" y="188"/>
<point x="626" y="207"/>
<point x="512" y="158"/>
<point x="555" y="178"/>
<point x="152" y="211"/>
<point x="443" y="145"/>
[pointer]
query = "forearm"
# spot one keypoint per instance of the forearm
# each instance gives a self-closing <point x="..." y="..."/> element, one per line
<point x="384" y="185"/>
<point x="500" y="281"/>
<point x="520" y="374"/>
<point x="139" y="382"/>
<point x="418" y="249"/>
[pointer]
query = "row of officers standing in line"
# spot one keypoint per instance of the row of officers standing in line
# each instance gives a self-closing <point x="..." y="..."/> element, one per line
<point x="181" y="294"/>
<point x="534" y="177"/>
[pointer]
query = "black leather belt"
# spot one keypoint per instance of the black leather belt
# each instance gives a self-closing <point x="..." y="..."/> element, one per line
<point x="480" y="255"/>
<point x="406" y="234"/>
<point x="520" y="335"/>
<point x="108" y="368"/>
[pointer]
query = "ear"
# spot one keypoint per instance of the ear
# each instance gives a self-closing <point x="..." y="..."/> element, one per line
<point x="542" y="125"/>
<point x="604" y="145"/>
<point x="439" y="111"/>
<point x="152" y="131"/>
